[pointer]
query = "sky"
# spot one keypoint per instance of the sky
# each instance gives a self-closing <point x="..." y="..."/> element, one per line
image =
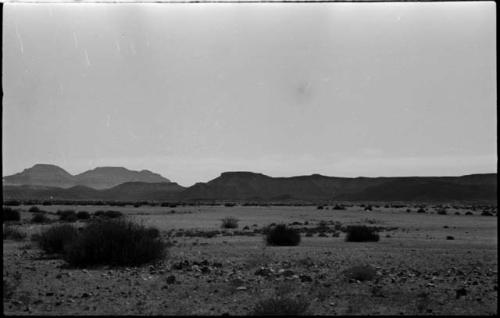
<point x="192" y="90"/>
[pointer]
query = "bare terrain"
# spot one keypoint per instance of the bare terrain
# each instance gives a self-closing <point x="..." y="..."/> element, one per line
<point x="424" y="263"/>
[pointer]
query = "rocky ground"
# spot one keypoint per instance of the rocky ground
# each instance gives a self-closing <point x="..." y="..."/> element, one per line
<point x="412" y="274"/>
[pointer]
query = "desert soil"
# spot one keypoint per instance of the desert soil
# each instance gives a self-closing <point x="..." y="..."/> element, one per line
<point x="418" y="270"/>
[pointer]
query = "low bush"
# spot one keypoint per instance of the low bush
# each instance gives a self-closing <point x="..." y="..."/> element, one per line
<point x="421" y="210"/>
<point x="449" y="237"/>
<point x="55" y="238"/>
<point x="361" y="273"/>
<point x="10" y="214"/>
<point x="361" y="233"/>
<point x="368" y="208"/>
<point x="39" y="218"/>
<point x="442" y="212"/>
<point x="34" y="209"/>
<point x="281" y="306"/>
<point x="83" y="215"/>
<point x="110" y="214"/>
<point x="67" y="216"/>
<point x="282" y="235"/>
<point x="229" y="223"/>
<point x="339" y="207"/>
<point x="115" y="242"/>
<point x="486" y="213"/>
<point x="13" y="233"/>
<point x="12" y="203"/>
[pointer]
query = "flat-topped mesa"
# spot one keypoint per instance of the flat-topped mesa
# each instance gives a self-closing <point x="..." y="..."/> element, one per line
<point x="98" y="178"/>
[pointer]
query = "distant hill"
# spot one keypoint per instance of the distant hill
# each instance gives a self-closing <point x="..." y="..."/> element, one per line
<point x="130" y="191"/>
<point x="108" y="177"/>
<point x="41" y="174"/>
<point x="257" y="187"/>
<point x="98" y="178"/>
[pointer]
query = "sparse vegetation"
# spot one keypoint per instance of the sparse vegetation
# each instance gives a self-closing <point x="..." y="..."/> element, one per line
<point x="229" y="223"/>
<point x="10" y="214"/>
<point x="442" y="212"/>
<point x="67" y="216"/>
<point x="115" y="242"/>
<point x="83" y="215"/>
<point x="13" y="233"/>
<point x="55" y="238"/>
<point x="282" y="235"/>
<point x="39" y="218"/>
<point x="361" y="233"/>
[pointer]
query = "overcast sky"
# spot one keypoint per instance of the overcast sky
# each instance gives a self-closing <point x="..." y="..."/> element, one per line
<point x="192" y="90"/>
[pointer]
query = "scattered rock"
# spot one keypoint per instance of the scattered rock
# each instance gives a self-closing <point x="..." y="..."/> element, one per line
<point x="263" y="272"/>
<point x="461" y="292"/>
<point x="305" y="278"/>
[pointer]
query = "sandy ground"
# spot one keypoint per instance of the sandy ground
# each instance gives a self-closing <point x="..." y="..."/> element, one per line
<point x="418" y="270"/>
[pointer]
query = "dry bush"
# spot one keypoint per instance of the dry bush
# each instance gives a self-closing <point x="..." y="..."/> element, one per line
<point x="13" y="233"/>
<point x="55" y="238"/>
<point x="229" y="223"/>
<point x="115" y="242"/>
<point x="34" y="209"/>
<point x="83" y="215"/>
<point x="39" y="218"/>
<point x="67" y="216"/>
<point x="361" y="233"/>
<point x="10" y="214"/>
<point x="282" y="235"/>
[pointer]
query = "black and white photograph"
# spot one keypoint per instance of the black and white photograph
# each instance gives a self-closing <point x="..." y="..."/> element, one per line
<point x="249" y="158"/>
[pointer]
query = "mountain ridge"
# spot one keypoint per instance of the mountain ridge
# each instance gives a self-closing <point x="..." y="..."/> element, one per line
<point x="251" y="186"/>
<point x="97" y="178"/>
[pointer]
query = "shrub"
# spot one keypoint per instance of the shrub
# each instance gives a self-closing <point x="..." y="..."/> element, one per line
<point x="83" y="215"/>
<point x="229" y="223"/>
<point x="34" y="209"/>
<point x="115" y="242"/>
<point x="322" y="226"/>
<point x="486" y="213"/>
<point x="10" y="214"/>
<point x="46" y="203"/>
<point x="281" y="235"/>
<point x="469" y="213"/>
<point x="229" y="204"/>
<point x="361" y="273"/>
<point x="13" y="233"/>
<point x="67" y="216"/>
<point x="449" y="237"/>
<point x="12" y="203"/>
<point x="113" y="214"/>
<point x="320" y="207"/>
<point x="339" y="207"/>
<point x="368" y="208"/>
<point x="361" y="233"/>
<point x="281" y="306"/>
<point x="421" y="210"/>
<point x="442" y="212"/>
<point x="39" y="218"/>
<point x="55" y="238"/>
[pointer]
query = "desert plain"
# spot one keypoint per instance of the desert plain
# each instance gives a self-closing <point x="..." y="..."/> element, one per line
<point x="423" y="264"/>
